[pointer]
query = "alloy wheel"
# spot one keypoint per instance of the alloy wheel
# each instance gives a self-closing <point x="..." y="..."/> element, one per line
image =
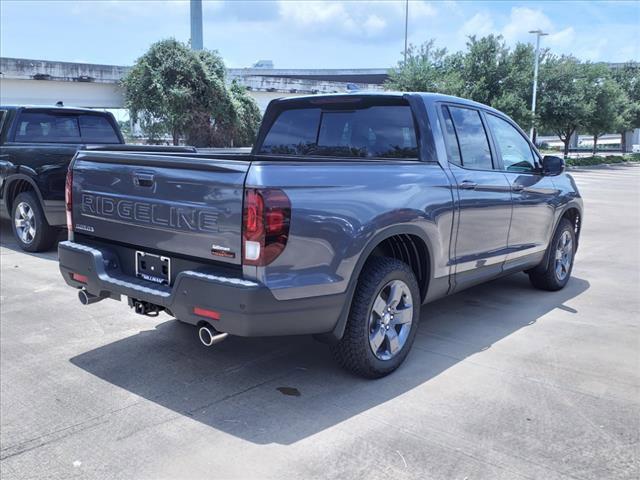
<point x="564" y="255"/>
<point x="390" y="320"/>
<point x="25" y="222"/>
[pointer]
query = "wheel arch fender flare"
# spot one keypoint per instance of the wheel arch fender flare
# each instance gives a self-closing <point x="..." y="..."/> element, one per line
<point x="10" y="182"/>
<point x="573" y="204"/>
<point x="338" y="331"/>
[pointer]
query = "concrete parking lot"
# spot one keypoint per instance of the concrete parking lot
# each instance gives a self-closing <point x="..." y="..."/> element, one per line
<point x="503" y="382"/>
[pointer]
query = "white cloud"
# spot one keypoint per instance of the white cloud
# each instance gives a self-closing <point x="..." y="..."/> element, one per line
<point x="521" y="21"/>
<point x="308" y="14"/>
<point x="420" y="10"/>
<point x="480" y="24"/>
<point x="562" y="39"/>
<point x="374" y="24"/>
<point x="356" y="20"/>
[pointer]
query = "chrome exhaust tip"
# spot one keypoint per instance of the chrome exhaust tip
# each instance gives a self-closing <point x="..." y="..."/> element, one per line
<point x="87" y="299"/>
<point x="209" y="336"/>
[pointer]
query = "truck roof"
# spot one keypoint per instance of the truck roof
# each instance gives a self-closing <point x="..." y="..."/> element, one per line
<point x="51" y="107"/>
<point x="428" y="96"/>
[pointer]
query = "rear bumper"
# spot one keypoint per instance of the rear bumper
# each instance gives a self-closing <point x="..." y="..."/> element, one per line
<point x="246" y="308"/>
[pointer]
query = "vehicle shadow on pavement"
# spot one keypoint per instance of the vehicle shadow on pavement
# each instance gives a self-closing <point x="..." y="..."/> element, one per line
<point x="8" y="241"/>
<point x="282" y="390"/>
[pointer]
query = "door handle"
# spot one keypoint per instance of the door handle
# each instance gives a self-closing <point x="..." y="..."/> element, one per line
<point x="467" y="185"/>
<point x="143" y="179"/>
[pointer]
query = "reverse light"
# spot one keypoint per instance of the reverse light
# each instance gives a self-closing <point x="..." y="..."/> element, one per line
<point x="266" y="218"/>
<point x="68" y="199"/>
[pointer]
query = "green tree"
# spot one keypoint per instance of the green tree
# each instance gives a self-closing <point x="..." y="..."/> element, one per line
<point x="628" y="78"/>
<point x="248" y="116"/>
<point x="609" y="102"/>
<point x="487" y="72"/>
<point x="564" y="103"/>
<point x="514" y="97"/>
<point x="173" y="89"/>
<point x="425" y="70"/>
<point x="485" y="68"/>
<point x="163" y="88"/>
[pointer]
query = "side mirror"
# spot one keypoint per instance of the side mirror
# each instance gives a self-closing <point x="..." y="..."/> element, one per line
<point x="552" y="165"/>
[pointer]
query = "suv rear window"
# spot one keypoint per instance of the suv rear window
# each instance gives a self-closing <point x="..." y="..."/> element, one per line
<point x="383" y="131"/>
<point x="43" y="127"/>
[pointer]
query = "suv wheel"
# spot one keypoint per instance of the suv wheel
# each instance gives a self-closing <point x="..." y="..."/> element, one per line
<point x="555" y="274"/>
<point x="383" y="319"/>
<point x="30" y="226"/>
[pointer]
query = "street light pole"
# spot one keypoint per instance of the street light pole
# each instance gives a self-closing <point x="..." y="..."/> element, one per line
<point x="538" y="33"/>
<point x="196" y="24"/>
<point x="406" y="29"/>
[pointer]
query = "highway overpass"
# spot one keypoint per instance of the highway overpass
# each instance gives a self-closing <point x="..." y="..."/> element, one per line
<point x="43" y="82"/>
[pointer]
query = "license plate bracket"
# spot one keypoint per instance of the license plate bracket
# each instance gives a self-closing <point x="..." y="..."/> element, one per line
<point x="153" y="268"/>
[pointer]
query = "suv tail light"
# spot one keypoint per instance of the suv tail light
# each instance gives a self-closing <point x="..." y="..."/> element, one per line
<point x="266" y="218"/>
<point x="68" y="198"/>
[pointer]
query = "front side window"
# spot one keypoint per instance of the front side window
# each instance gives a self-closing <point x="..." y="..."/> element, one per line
<point x="383" y="131"/>
<point x="514" y="149"/>
<point x="98" y="129"/>
<point x="47" y="128"/>
<point x="472" y="138"/>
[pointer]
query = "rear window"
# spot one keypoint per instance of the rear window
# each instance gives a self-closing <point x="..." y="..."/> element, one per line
<point x="383" y="131"/>
<point x="46" y="128"/>
<point x="42" y="127"/>
<point x="96" y="128"/>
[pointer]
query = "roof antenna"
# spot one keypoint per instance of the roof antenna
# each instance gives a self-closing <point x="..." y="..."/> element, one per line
<point x="59" y="103"/>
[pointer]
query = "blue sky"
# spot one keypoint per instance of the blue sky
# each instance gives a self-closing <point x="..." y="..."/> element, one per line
<point x="309" y="34"/>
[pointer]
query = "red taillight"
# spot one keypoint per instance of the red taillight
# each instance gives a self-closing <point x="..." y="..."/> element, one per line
<point x="68" y="199"/>
<point x="203" y="312"/>
<point x="267" y="214"/>
<point x="80" y="278"/>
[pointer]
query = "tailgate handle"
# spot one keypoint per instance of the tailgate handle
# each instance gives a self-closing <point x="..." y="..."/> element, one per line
<point x="143" y="179"/>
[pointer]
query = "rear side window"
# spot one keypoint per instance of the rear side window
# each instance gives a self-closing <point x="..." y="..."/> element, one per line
<point x="97" y="129"/>
<point x="293" y="133"/>
<point x="383" y="131"/>
<point x="451" y="142"/>
<point x="47" y="128"/>
<point x="472" y="138"/>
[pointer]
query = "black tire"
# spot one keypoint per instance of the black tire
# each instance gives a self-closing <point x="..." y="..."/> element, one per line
<point x="354" y="352"/>
<point x="546" y="276"/>
<point x="44" y="235"/>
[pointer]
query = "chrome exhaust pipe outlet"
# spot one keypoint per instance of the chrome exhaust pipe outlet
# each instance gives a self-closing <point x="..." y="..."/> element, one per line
<point x="210" y="336"/>
<point x="87" y="299"/>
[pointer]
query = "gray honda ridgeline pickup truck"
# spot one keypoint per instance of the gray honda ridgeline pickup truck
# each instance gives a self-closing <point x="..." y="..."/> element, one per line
<point x="350" y="213"/>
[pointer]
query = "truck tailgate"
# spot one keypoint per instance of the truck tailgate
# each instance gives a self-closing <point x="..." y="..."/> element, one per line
<point x="176" y="204"/>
